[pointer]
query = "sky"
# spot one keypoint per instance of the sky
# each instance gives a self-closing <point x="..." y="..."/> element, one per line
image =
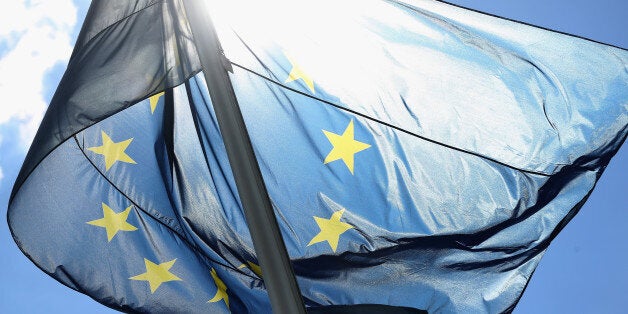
<point x="583" y="271"/>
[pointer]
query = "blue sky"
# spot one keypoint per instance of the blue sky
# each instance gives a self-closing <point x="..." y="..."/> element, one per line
<point x="584" y="270"/>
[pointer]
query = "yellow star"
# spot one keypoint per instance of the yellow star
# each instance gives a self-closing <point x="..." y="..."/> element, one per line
<point x="113" y="151"/>
<point x="153" y="101"/>
<point x="331" y="229"/>
<point x="221" y="289"/>
<point x="157" y="274"/>
<point x="254" y="268"/>
<point x="344" y="146"/>
<point x="298" y="73"/>
<point x="113" y="222"/>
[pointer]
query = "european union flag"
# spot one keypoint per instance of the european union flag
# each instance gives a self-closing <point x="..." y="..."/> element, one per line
<point x="417" y="155"/>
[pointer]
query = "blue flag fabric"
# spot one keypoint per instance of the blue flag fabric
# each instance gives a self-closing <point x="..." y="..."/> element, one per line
<point x="417" y="155"/>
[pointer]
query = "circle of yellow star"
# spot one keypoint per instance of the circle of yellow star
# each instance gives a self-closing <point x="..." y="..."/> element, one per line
<point x="113" y="151"/>
<point x="330" y="229"/>
<point x="113" y="222"/>
<point x="153" y="100"/>
<point x="297" y="73"/>
<point x="344" y="146"/>
<point x="221" y="289"/>
<point x="157" y="274"/>
<point x="253" y="267"/>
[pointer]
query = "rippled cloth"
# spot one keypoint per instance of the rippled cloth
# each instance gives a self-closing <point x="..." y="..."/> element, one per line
<point x="417" y="155"/>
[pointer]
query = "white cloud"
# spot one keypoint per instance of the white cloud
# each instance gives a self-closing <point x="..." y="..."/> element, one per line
<point x="37" y="33"/>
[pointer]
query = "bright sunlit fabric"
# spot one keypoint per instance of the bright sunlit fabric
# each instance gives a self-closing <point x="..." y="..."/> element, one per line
<point x="462" y="143"/>
<point x="417" y="155"/>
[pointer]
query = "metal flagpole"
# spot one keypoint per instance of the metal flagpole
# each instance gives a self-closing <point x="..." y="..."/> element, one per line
<point x="284" y="293"/>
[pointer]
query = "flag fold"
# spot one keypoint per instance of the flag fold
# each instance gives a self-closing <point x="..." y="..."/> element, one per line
<point x="418" y="155"/>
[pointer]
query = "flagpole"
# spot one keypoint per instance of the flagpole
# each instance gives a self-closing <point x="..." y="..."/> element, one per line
<point x="283" y="291"/>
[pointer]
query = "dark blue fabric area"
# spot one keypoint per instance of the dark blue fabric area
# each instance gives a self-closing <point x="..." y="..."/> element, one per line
<point x="168" y="186"/>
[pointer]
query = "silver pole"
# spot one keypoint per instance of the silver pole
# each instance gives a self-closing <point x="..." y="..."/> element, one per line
<point x="284" y="293"/>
